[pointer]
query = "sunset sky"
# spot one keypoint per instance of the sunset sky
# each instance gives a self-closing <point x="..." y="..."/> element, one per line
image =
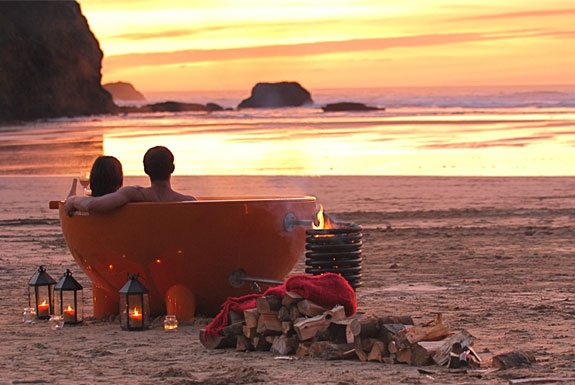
<point x="231" y="44"/>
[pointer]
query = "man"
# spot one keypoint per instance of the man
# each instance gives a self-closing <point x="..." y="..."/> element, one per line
<point x="158" y="165"/>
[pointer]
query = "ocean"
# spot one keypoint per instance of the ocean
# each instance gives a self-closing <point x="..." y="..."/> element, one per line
<point x="473" y="131"/>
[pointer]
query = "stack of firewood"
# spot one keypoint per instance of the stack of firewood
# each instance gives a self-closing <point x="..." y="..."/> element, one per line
<point x="295" y="326"/>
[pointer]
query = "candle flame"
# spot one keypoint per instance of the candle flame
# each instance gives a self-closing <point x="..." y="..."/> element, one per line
<point x="136" y="313"/>
<point x="44" y="303"/>
<point x="69" y="308"/>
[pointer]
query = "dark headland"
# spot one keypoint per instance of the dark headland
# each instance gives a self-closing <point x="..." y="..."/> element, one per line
<point x="50" y="62"/>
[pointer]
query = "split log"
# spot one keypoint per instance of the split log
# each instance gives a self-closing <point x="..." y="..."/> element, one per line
<point x="337" y="351"/>
<point x="284" y="345"/>
<point x="243" y="344"/>
<point x="377" y="352"/>
<point x="432" y="331"/>
<point x="226" y="340"/>
<point x="251" y="317"/>
<point x="422" y="352"/>
<point x="364" y="327"/>
<point x="541" y="380"/>
<point x="308" y="328"/>
<point x="269" y="324"/>
<point x="268" y="303"/>
<point x="260" y="344"/>
<point x="287" y="327"/>
<point x="291" y="298"/>
<point x="270" y="339"/>
<point x="294" y="313"/>
<point x="388" y="331"/>
<point x="284" y="314"/>
<point x="316" y="348"/>
<point x="310" y="309"/>
<point x="442" y="354"/>
<point x="249" y="332"/>
<point x="234" y="317"/>
<point x="403" y="356"/>
<point x="360" y="353"/>
<point x="303" y="349"/>
<point x="365" y="343"/>
<point x="212" y="342"/>
<point x="512" y="360"/>
<point x="336" y="332"/>
<point x="391" y="347"/>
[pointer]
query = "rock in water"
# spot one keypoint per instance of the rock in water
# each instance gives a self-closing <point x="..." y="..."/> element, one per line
<point x="274" y="95"/>
<point x="49" y="63"/>
<point x="123" y="91"/>
<point x="349" y="106"/>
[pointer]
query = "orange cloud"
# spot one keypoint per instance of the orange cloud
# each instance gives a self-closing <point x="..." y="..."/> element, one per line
<point x="317" y="48"/>
<point x="539" y="13"/>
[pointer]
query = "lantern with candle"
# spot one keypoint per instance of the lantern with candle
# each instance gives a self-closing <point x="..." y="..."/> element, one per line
<point x="40" y="293"/>
<point x="69" y="299"/>
<point x="134" y="305"/>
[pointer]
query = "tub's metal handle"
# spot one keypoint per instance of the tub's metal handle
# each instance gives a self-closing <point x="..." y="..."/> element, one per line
<point x="239" y="277"/>
<point x="290" y="222"/>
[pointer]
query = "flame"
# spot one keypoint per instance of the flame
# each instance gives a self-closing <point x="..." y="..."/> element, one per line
<point x="136" y="313"/>
<point x="322" y="219"/>
<point x="44" y="303"/>
<point x="69" y="308"/>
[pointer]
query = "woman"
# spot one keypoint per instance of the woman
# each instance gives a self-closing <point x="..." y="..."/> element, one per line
<point x="106" y="176"/>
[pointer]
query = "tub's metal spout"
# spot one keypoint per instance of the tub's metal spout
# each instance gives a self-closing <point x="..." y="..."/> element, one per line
<point x="238" y="277"/>
<point x="290" y="222"/>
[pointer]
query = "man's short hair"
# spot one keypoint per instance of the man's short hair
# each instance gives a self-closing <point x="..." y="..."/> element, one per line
<point x="159" y="163"/>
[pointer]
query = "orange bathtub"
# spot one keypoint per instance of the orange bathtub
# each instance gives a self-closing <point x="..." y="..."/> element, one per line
<point x="186" y="251"/>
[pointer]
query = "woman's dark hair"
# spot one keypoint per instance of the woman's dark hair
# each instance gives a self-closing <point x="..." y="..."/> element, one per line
<point x="106" y="176"/>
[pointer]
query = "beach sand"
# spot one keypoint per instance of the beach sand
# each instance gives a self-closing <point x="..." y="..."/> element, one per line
<point x="503" y="273"/>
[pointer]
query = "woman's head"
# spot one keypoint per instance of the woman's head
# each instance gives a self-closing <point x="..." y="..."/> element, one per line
<point x="106" y="176"/>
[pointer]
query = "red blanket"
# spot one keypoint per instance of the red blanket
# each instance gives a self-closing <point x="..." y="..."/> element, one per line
<point x="327" y="290"/>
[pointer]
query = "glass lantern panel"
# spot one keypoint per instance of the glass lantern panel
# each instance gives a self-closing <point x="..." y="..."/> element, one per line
<point x="41" y="299"/>
<point x="136" y="311"/>
<point x="71" y="305"/>
<point x="146" y="307"/>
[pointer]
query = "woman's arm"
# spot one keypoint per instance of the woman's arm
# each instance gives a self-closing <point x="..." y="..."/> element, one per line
<point x="104" y="203"/>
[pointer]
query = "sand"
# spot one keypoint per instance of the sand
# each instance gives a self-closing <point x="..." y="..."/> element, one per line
<point x="504" y="275"/>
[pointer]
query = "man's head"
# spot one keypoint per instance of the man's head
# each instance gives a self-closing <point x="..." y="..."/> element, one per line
<point x="159" y="163"/>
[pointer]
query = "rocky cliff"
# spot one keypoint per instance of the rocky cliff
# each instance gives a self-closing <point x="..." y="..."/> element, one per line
<point x="49" y="62"/>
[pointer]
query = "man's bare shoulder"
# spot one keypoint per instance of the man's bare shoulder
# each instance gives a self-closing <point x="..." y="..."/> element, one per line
<point x="134" y="193"/>
<point x="184" y="198"/>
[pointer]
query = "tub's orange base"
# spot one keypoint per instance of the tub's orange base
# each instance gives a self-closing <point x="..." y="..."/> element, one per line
<point x="185" y="251"/>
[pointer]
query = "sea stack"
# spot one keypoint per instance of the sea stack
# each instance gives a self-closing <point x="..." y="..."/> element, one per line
<point x="50" y="62"/>
<point x="123" y="91"/>
<point x="275" y="95"/>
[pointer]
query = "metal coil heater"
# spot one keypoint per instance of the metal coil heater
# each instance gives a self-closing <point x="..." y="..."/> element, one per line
<point x="336" y="250"/>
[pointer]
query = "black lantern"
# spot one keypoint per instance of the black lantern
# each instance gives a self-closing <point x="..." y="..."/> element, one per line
<point x="134" y="305"/>
<point x="40" y="293"/>
<point x="68" y="299"/>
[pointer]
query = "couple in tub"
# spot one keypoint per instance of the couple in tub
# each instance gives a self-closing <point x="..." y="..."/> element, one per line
<point x="106" y="179"/>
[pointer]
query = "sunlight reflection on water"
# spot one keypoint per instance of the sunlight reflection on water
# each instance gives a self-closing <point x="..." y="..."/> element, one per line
<point x="526" y="141"/>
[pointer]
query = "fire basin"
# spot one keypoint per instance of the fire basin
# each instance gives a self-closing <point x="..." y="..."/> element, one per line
<point x="185" y="251"/>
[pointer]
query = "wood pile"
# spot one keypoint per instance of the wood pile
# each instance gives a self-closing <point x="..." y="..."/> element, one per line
<point x="295" y="326"/>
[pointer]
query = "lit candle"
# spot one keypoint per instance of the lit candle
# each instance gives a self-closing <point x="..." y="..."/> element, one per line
<point x="43" y="309"/>
<point x="136" y="318"/>
<point x="170" y="322"/>
<point x="69" y="315"/>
